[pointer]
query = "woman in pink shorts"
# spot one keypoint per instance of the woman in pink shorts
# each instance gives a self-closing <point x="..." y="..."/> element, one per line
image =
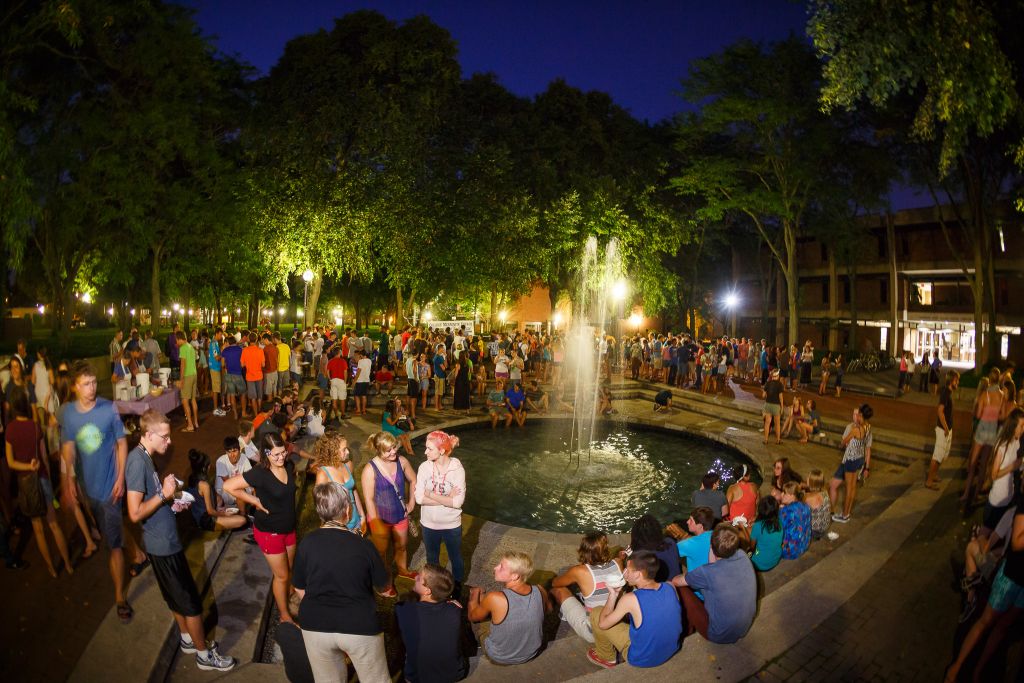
<point x="272" y="481"/>
<point x="389" y="487"/>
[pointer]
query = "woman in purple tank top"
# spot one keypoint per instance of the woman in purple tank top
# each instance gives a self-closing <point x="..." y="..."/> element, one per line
<point x="389" y="485"/>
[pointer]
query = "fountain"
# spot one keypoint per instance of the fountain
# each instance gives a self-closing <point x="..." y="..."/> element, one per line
<point x="586" y="339"/>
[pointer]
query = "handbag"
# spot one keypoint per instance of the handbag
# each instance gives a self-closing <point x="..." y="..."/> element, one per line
<point x="30" y="495"/>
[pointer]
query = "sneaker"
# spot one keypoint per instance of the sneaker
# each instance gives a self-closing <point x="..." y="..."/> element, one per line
<point x="187" y="646"/>
<point x="842" y="519"/>
<point x="215" y="661"/>
<point x="603" y="663"/>
<point x="220" y="412"/>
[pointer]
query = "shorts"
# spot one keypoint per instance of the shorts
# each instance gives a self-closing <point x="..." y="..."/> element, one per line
<point x="576" y="615"/>
<point x="339" y="390"/>
<point x="47" y="487"/>
<point x="235" y="384"/>
<point x="658" y="363"/>
<point x="362" y="388"/>
<point x="273" y="544"/>
<point x="284" y="379"/>
<point x="215" y="381"/>
<point x="942" y="444"/>
<point x="990" y="518"/>
<point x="270" y="383"/>
<point x="663" y="397"/>
<point x="986" y="432"/>
<point x="839" y="381"/>
<point x="296" y="377"/>
<point x="108" y="519"/>
<point x="500" y="411"/>
<point x="773" y="409"/>
<point x="188" y="388"/>
<point x="207" y="522"/>
<point x="254" y="388"/>
<point x="848" y="467"/>
<point x="1005" y="593"/>
<point x="439" y="386"/>
<point x="424" y="385"/>
<point x="322" y="381"/>
<point x="412" y="388"/>
<point x="177" y="586"/>
<point x="500" y="375"/>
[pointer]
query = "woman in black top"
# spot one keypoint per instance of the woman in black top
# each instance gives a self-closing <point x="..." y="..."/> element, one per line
<point x="335" y="572"/>
<point x="273" y="502"/>
<point x="772" y="410"/>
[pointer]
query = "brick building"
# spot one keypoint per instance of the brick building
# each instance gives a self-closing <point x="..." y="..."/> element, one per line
<point x="911" y="292"/>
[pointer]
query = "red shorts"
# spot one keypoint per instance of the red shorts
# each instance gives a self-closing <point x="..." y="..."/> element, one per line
<point x="273" y="544"/>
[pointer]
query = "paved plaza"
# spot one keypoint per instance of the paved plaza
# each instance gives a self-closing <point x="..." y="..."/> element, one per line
<point x="879" y="603"/>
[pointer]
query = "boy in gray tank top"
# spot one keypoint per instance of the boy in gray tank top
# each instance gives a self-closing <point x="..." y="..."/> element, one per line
<point x="516" y="612"/>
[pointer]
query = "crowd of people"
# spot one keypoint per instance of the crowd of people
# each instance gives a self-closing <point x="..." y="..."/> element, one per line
<point x="692" y="576"/>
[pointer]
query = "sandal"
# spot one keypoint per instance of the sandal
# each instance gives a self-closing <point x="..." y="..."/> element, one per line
<point x="137" y="568"/>
<point x="389" y="593"/>
<point x="125" y="612"/>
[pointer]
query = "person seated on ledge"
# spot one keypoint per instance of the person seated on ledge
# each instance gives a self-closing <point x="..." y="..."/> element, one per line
<point x="430" y="628"/>
<point x="515" y="399"/>
<point x="729" y="587"/>
<point x="654" y="627"/>
<point x="384" y="380"/>
<point x="795" y="516"/>
<point x="516" y="612"/>
<point x="695" y="548"/>
<point x="604" y="400"/>
<point x="743" y="495"/>
<point x="536" y="398"/>
<point x="496" y="405"/>
<point x="766" y="535"/>
<point x="663" y="401"/>
<point x="596" y="571"/>
<point x="648" y="534"/>
<point x="708" y="495"/>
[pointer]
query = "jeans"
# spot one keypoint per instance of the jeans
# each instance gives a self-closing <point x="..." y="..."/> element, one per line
<point x="452" y="539"/>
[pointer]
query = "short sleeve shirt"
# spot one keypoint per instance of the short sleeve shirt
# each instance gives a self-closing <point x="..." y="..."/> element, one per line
<point x="277" y="497"/>
<point x="252" y="361"/>
<point x="188" y="354"/>
<point x="283" y="357"/>
<point x="212" y="352"/>
<point x="159" y="530"/>
<point x="95" y="434"/>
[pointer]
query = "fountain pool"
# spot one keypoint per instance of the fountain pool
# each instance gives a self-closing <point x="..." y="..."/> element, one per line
<point x="526" y="477"/>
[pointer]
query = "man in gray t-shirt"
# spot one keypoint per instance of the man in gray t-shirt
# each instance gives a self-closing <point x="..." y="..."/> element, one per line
<point x="149" y="503"/>
<point x="708" y="496"/>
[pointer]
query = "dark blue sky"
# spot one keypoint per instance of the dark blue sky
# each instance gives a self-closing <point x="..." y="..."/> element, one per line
<point x="636" y="51"/>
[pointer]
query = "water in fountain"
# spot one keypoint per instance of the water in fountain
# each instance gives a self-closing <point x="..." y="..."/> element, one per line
<point x="583" y="357"/>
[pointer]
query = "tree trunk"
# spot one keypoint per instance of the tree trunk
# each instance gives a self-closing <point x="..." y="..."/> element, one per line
<point x="399" y="310"/>
<point x="792" y="283"/>
<point x="184" y="309"/>
<point x="851" y="276"/>
<point x="494" y="306"/>
<point x="780" y="312"/>
<point x="154" y="290"/>
<point x="992" y="343"/>
<point x="313" y="300"/>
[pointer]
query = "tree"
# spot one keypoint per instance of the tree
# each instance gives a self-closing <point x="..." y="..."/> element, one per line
<point x="952" y="69"/>
<point x="760" y="146"/>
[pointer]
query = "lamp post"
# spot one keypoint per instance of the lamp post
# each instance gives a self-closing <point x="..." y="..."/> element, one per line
<point x="307" y="277"/>
<point x="732" y="302"/>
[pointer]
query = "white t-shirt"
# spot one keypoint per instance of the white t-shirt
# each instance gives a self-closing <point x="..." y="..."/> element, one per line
<point x="441" y="483"/>
<point x="501" y="364"/>
<point x="364" y="367"/>
<point x="250" y="450"/>
<point x="1001" y="492"/>
<point x="315" y="424"/>
<point x="41" y="382"/>
<point x="225" y="470"/>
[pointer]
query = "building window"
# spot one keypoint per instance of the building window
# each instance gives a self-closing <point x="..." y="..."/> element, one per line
<point x="883" y="291"/>
<point x="883" y="338"/>
<point x="824" y="292"/>
<point x="924" y="293"/>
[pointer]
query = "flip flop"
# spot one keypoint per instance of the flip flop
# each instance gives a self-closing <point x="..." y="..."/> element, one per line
<point x="188" y="429"/>
<point x="137" y="568"/>
<point x="125" y="612"/>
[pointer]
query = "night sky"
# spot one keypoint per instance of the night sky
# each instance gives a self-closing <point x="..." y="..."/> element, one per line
<point x="636" y="51"/>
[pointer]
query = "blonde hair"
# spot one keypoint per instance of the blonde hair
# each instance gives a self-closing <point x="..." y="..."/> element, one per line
<point x="151" y="419"/>
<point x="518" y="563"/>
<point x="792" y="488"/>
<point x="327" y="450"/>
<point x="381" y="442"/>
<point x="983" y="385"/>
<point x="815" y="480"/>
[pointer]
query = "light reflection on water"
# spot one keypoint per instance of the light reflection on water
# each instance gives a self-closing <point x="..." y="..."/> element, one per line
<point x="525" y="477"/>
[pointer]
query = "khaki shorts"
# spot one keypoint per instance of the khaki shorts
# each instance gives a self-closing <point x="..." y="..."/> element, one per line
<point x="576" y="615"/>
<point x="942" y="444"/>
<point x="188" y="388"/>
<point x="215" y="377"/>
<point x="439" y="386"/>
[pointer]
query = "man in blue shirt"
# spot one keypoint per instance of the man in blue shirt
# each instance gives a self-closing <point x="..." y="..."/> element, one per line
<point x="440" y="375"/>
<point x="729" y="586"/>
<point x="515" y="397"/>
<point x="697" y="548"/>
<point x="213" y="359"/>
<point x="234" y="380"/>
<point x="93" y="444"/>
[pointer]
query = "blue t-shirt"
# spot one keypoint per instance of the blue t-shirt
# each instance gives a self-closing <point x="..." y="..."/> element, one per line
<point x="232" y="356"/>
<point x="695" y="551"/>
<point x="515" y="398"/>
<point x="769" y="546"/>
<point x="211" y="355"/>
<point x="95" y="434"/>
<point x="159" y="530"/>
<point x="439" y="371"/>
<point x="657" y="638"/>
<point x="730" y="596"/>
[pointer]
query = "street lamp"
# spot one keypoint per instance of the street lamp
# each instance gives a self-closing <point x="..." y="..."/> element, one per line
<point x="428" y="316"/>
<point x="732" y="302"/>
<point x="557" y="319"/>
<point x="635" y="320"/>
<point x="87" y="298"/>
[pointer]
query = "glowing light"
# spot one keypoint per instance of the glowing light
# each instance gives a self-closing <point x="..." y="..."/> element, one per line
<point x="164" y="313"/>
<point x="110" y="311"/>
<point x="190" y="311"/>
<point x="237" y="311"/>
<point x="428" y="316"/>
<point x="503" y="316"/>
<point x="731" y="300"/>
<point x="635" y="320"/>
<point x="87" y="298"/>
<point x="299" y="313"/>
<point x="280" y="311"/>
<point x="619" y="290"/>
<point x="557" y="319"/>
<point x="176" y="307"/>
<point x="42" y="309"/>
<point x="307" y="276"/>
<point x="131" y="312"/>
<point x="267" y="312"/>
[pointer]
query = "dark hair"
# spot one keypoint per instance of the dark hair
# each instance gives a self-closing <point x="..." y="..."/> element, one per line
<point x="768" y="514"/>
<point x="271" y="440"/>
<point x="20" y="405"/>
<point x="704" y="516"/>
<point x="82" y="368"/>
<point x="231" y="443"/>
<point x="63" y="386"/>
<point x="439" y="580"/>
<point x="865" y="411"/>
<point x="200" y="466"/>
<point x="725" y="540"/>
<point x="645" y="562"/>
<point x="647" y="534"/>
<point x="709" y="480"/>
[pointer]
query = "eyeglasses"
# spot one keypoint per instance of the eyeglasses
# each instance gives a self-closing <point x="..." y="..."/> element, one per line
<point x="166" y="437"/>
